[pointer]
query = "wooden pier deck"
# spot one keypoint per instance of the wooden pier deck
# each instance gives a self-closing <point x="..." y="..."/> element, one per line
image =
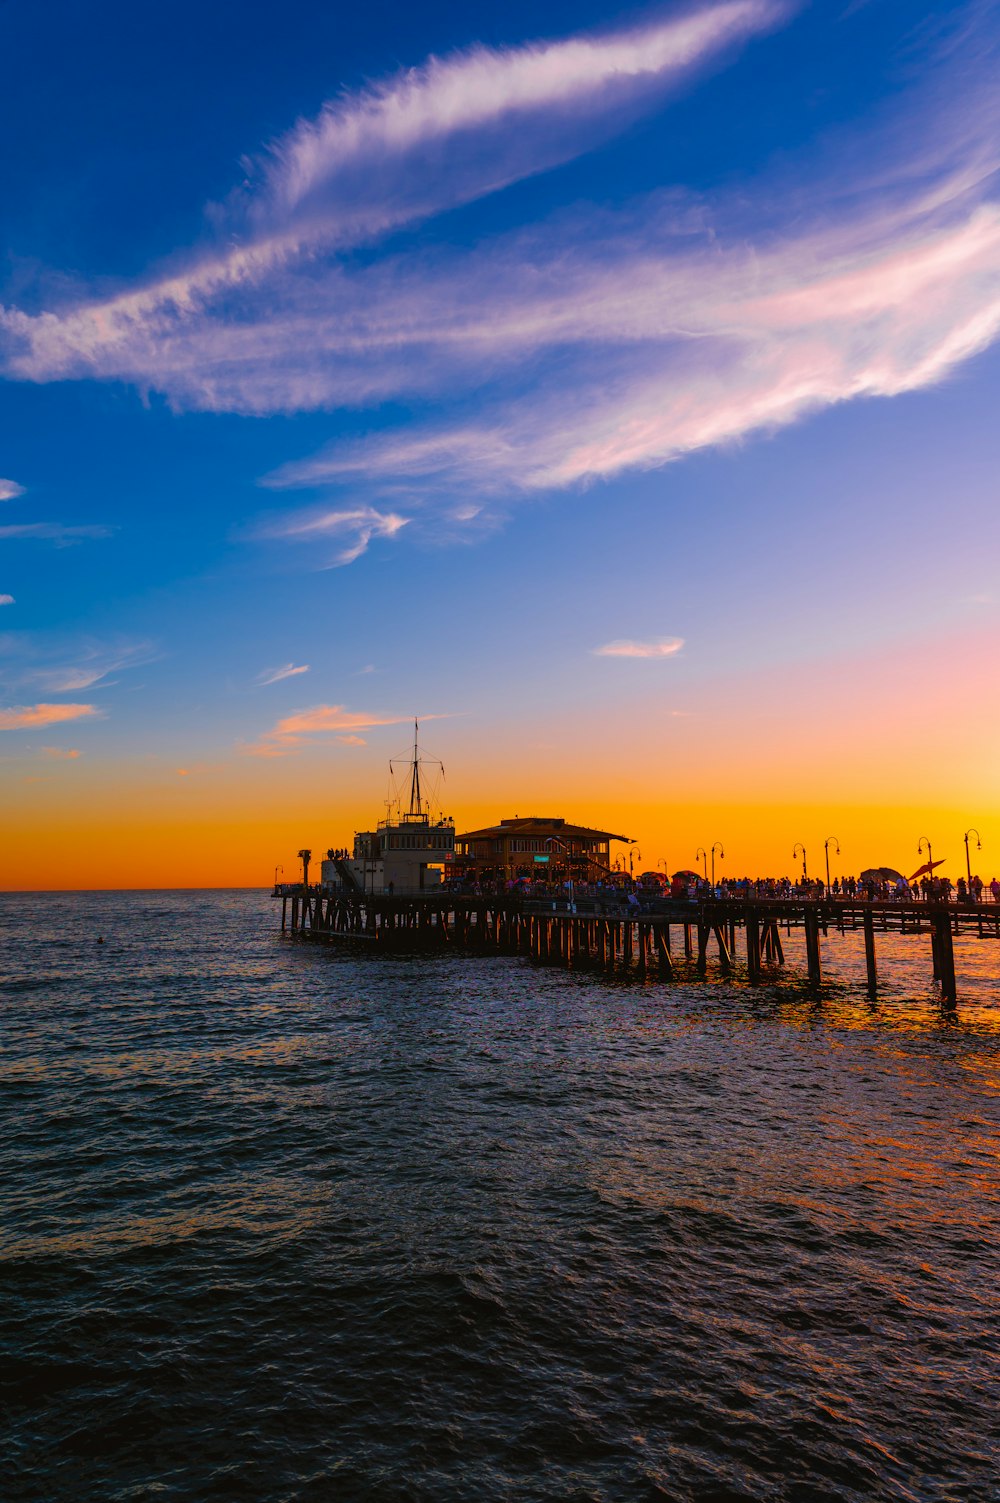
<point x="712" y="931"/>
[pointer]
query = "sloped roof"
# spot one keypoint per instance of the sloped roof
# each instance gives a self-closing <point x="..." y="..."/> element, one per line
<point x="559" y="829"/>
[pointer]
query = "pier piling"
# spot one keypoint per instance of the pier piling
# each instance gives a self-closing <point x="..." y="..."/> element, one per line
<point x="638" y="944"/>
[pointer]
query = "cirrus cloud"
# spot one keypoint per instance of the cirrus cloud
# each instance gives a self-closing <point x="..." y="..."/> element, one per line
<point x="410" y="147"/>
<point x="594" y="343"/>
<point x="359" y="525"/>
<point x="30" y="717"/>
<point x="295" y="730"/>
<point x="275" y="675"/>
<point x="659" y="647"/>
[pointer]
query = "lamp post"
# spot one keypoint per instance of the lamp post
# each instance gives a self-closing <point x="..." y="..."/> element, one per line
<point x="924" y="841"/>
<point x="795" y="851"/>
<point x="701" y="851"/>
<point x="278" y="869"/>
<point x="979" y="846"/>
<point x="831" y="840"/>
<point x="722" y="856"/>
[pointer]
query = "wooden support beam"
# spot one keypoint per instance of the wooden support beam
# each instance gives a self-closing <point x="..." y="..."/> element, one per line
<point x="725" y="954"/>
<point x="945" y="958"/>
<point x="688" y="947"/>
<point x="663" y="952"/>
<point x="870" y="966"/>
<point x="752" y="925"/>
<point x="813" y="962"/>
<point x="704" y="929"/>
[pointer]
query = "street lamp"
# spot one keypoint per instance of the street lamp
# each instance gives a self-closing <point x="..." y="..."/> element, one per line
<point x="924" y="841"/>
<point x="278" y="869"/>
<point x="722" y="856"/>
<point x="795" y="851"/>
<point x="979" y="846"/>
<point x="828" y="842"/>
<point x="704" y="856"/>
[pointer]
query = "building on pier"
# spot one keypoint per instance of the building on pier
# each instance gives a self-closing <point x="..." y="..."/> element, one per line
<point x="535" y="846"/>
<point x="408" y="852"/>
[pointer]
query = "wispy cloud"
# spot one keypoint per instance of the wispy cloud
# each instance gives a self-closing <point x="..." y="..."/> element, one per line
<point x="317" y="177"/>
<point x="659" y="647"/>
<point x="591" y="344"/>
<point x="275" y="675"/>
<point x="62" y="753"/>
<point x="6" y="600"/>
<point x="90" y="666"/>
<point x="352" y="740"/>
<point x="405" y="149"/>
<point x="36" y="663"/>
<point x="9" y="490"/>
<point x="359" y="525"/>
<point x="296" y="729"/>
<point x="51" y="532"/>
<point x="30" y="717"/>
<point x="702" y="340"/>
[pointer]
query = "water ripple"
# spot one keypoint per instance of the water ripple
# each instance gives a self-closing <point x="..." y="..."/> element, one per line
<point x="282" y="1224"/>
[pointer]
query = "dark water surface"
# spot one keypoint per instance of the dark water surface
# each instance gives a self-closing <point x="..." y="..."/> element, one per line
<point x="283" y="1224"/>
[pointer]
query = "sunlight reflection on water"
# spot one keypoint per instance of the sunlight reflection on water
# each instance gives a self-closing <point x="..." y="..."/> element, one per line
<point x="454" y="1227"/>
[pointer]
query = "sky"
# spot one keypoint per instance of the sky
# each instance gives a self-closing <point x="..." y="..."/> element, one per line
<point x="615" y="389"/>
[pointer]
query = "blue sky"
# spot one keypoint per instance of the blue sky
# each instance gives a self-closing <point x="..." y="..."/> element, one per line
<point x="428" y="351"/>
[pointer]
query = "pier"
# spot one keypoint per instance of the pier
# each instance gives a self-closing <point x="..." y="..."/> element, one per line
<point x="735" y="935"/>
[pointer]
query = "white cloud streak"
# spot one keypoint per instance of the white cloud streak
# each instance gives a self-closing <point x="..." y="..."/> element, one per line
<point x="359" y="525"/>
<point x="275" y="675"/>
<point x="36" y="664"/>
<point x="700" y="345"/>
<point x="10" y="490"/>
<point x="319" y="170"/>
<point x="425" y="141"/>
<point x="91" y="667"/>
<point x="6" y="600"/>
<point x="659" y="647"/>
<point x="597" y="344"/>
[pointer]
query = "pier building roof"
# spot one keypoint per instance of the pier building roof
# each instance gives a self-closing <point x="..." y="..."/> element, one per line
<point x="542" y="825"/>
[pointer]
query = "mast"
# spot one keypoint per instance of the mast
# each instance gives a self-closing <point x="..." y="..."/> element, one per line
<point x="416" y="805"/>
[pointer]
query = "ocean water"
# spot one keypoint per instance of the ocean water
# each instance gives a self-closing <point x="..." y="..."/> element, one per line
<point x="283" y="1223"/>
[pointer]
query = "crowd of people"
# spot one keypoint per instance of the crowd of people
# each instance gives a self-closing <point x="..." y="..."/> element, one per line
<point x="644" y="892"/>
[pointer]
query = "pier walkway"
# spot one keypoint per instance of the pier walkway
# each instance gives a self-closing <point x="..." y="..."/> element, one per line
<point x="709" y="931"/>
